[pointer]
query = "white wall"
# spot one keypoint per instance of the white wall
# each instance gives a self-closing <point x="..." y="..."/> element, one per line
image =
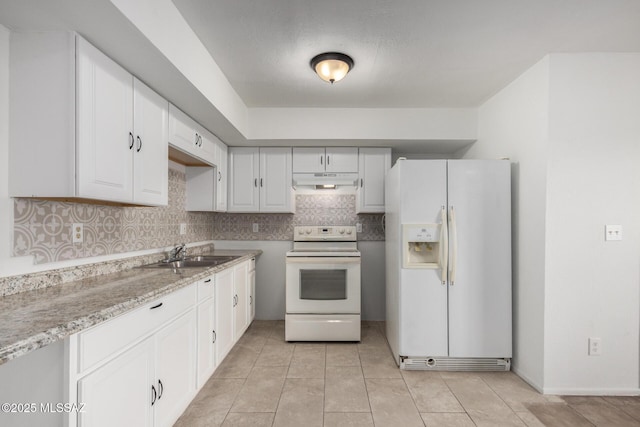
<point x="270" y="277"/>
<point x="514" y="124"/>
<point x="592" y="286"/>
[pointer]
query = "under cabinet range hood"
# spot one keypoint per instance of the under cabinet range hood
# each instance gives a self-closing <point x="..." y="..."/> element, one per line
<point x="325" y="179"/>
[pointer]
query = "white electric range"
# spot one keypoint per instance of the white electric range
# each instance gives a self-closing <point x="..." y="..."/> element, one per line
<point x="323" y="285"/>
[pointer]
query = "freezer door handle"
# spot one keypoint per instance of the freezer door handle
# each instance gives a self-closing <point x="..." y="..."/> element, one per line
<point x="444" y="245"/>
<point x="454" y="247"/>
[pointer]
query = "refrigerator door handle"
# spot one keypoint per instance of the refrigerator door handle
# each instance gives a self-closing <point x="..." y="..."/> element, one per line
<point x="444" y="245"/>
<point x="454" y="247"/>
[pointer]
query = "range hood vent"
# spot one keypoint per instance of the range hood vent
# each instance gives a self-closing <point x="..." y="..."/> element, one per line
<point x="314" y="179"/>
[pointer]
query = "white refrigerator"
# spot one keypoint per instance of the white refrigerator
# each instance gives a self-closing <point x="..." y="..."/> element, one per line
<point x="448" y="264"/>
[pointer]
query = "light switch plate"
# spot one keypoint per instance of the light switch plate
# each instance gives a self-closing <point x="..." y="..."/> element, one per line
<point x="358" y="227"/>
<point x="183" y="229"/>
<point x="612" y="232"/>
<point x="256" y="227"/>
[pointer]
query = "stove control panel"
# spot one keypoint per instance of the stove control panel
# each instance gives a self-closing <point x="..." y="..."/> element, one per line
<point x="333" y="233"/>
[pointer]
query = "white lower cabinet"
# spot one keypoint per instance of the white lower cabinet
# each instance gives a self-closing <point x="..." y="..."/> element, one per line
<point x="224" y="308"/>
<point x="144" y="367"/>
<point x="175" y="385"/>
<point x="241" y="298"/>
<point x="206" y="341"/>
<point x="148" y="385"/>
<point x="119" y="393"/>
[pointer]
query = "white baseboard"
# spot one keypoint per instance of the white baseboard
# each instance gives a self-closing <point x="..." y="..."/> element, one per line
<point x="526" y="379"/>
<point x="592" y="391"/>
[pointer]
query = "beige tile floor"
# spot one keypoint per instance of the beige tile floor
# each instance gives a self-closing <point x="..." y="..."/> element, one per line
<point x="266" y="381"/>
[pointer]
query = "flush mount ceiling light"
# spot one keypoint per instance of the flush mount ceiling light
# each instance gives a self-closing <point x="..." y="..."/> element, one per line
<point x="332" y="66"/>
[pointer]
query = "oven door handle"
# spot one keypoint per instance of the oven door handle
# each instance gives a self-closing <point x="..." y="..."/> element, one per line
<point x="323" y="260"/>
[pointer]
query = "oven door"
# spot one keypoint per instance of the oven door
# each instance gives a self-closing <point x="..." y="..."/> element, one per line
<point x="323" y="285"/>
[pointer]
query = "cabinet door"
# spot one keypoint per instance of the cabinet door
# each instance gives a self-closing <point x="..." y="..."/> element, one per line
<point x="224" y="299"/>
<point x="241" y="302"/>
<point x="244" y="168"/>
<point x="150" y="160"/>
<point x="373" y="166"/>
<point x="308" y="159"/>
<point x="182" y="132"/>
<point x="119" y="393"/>
<point x="175" y="379"/>
<point x="275" y="180"/>
<point x="206" y="341"/>
<point x="221" y="187"/>
<point x="206" y="148"/>
<point x="252" y="295"/>
<point x="105" y="127"/>
<point x="341" y="159"/>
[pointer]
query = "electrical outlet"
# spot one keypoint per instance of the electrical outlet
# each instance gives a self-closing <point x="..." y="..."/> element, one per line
<point x="183" y="229"/>
<point x="77" y="233"/>
<point x="256" y="227"/>
<point x="612" y="232"/>
<point x="595" y="346"/>
<point x="358" y="227"/>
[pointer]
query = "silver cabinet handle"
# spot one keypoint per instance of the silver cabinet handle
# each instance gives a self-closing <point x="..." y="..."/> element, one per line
<point x="327" y="159"/>
<point x="360" y="182"/>
<point x="156" y="306"/>
<point x="200" y="138"/>
<point x="321" y="159"/>
<point x="260" y="182"/>
<point x="130" y="140"/>
<point x="197" y="138"/>
<point x="213" y="336"/>
<point x="139" y="144"/>
<point x="255" y="182"/>
<point x="160" y="389"/>
<point x="219" y="176"/>
<point x="154" y="395"/>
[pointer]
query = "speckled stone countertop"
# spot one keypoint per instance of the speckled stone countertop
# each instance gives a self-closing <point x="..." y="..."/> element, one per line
<point x="33" y="319"/>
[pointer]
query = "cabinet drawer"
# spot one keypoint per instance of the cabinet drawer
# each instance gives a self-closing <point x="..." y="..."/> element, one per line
<point x="205" y="288"/>
<point x="101" y="341"/>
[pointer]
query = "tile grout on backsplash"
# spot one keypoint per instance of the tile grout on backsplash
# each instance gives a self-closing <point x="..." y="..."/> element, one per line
<point x="43" y="228"/>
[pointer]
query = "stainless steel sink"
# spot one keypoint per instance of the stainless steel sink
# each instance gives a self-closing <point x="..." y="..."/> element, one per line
<point x="201" y="261"/>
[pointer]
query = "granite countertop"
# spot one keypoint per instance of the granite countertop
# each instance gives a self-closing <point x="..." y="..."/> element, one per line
<point x="33" y="319"/>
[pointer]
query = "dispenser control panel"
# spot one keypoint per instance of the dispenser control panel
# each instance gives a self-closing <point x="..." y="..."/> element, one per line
<point x="421" y="245"/>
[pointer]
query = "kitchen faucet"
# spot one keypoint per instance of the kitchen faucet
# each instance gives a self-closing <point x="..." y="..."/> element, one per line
<point x="177" y="253"/>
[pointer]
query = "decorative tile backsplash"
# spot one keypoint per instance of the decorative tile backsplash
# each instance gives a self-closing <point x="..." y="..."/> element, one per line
<point x="311" y="209"/>
<point x="43" y="228"/>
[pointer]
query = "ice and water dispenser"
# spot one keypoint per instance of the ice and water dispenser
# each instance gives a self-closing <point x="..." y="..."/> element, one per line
<point x="421" y="245"/>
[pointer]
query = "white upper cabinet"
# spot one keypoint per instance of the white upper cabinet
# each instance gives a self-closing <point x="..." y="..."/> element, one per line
<point x="151" y="148"/>
<point x="330" y="159"/>
<point x="260" y="179"/>
<point x="186" y="135"/>
<point x="207" y="185"/>
<point x="221" y="177"/>
<point x="244" y="172"/>
<point x="80" y="127"/>
<point x="373" y="166"/>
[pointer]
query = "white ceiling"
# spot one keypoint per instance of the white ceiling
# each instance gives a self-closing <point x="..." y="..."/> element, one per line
<point x="407" y="53"/>
<point x="437" y="57"/>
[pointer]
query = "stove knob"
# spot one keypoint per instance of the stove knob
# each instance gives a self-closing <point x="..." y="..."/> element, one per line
<point x="349" y="231"/>
<point x="308" y="231"/>
<point x="341" y="231"/>
<point x="300" y="231"/>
